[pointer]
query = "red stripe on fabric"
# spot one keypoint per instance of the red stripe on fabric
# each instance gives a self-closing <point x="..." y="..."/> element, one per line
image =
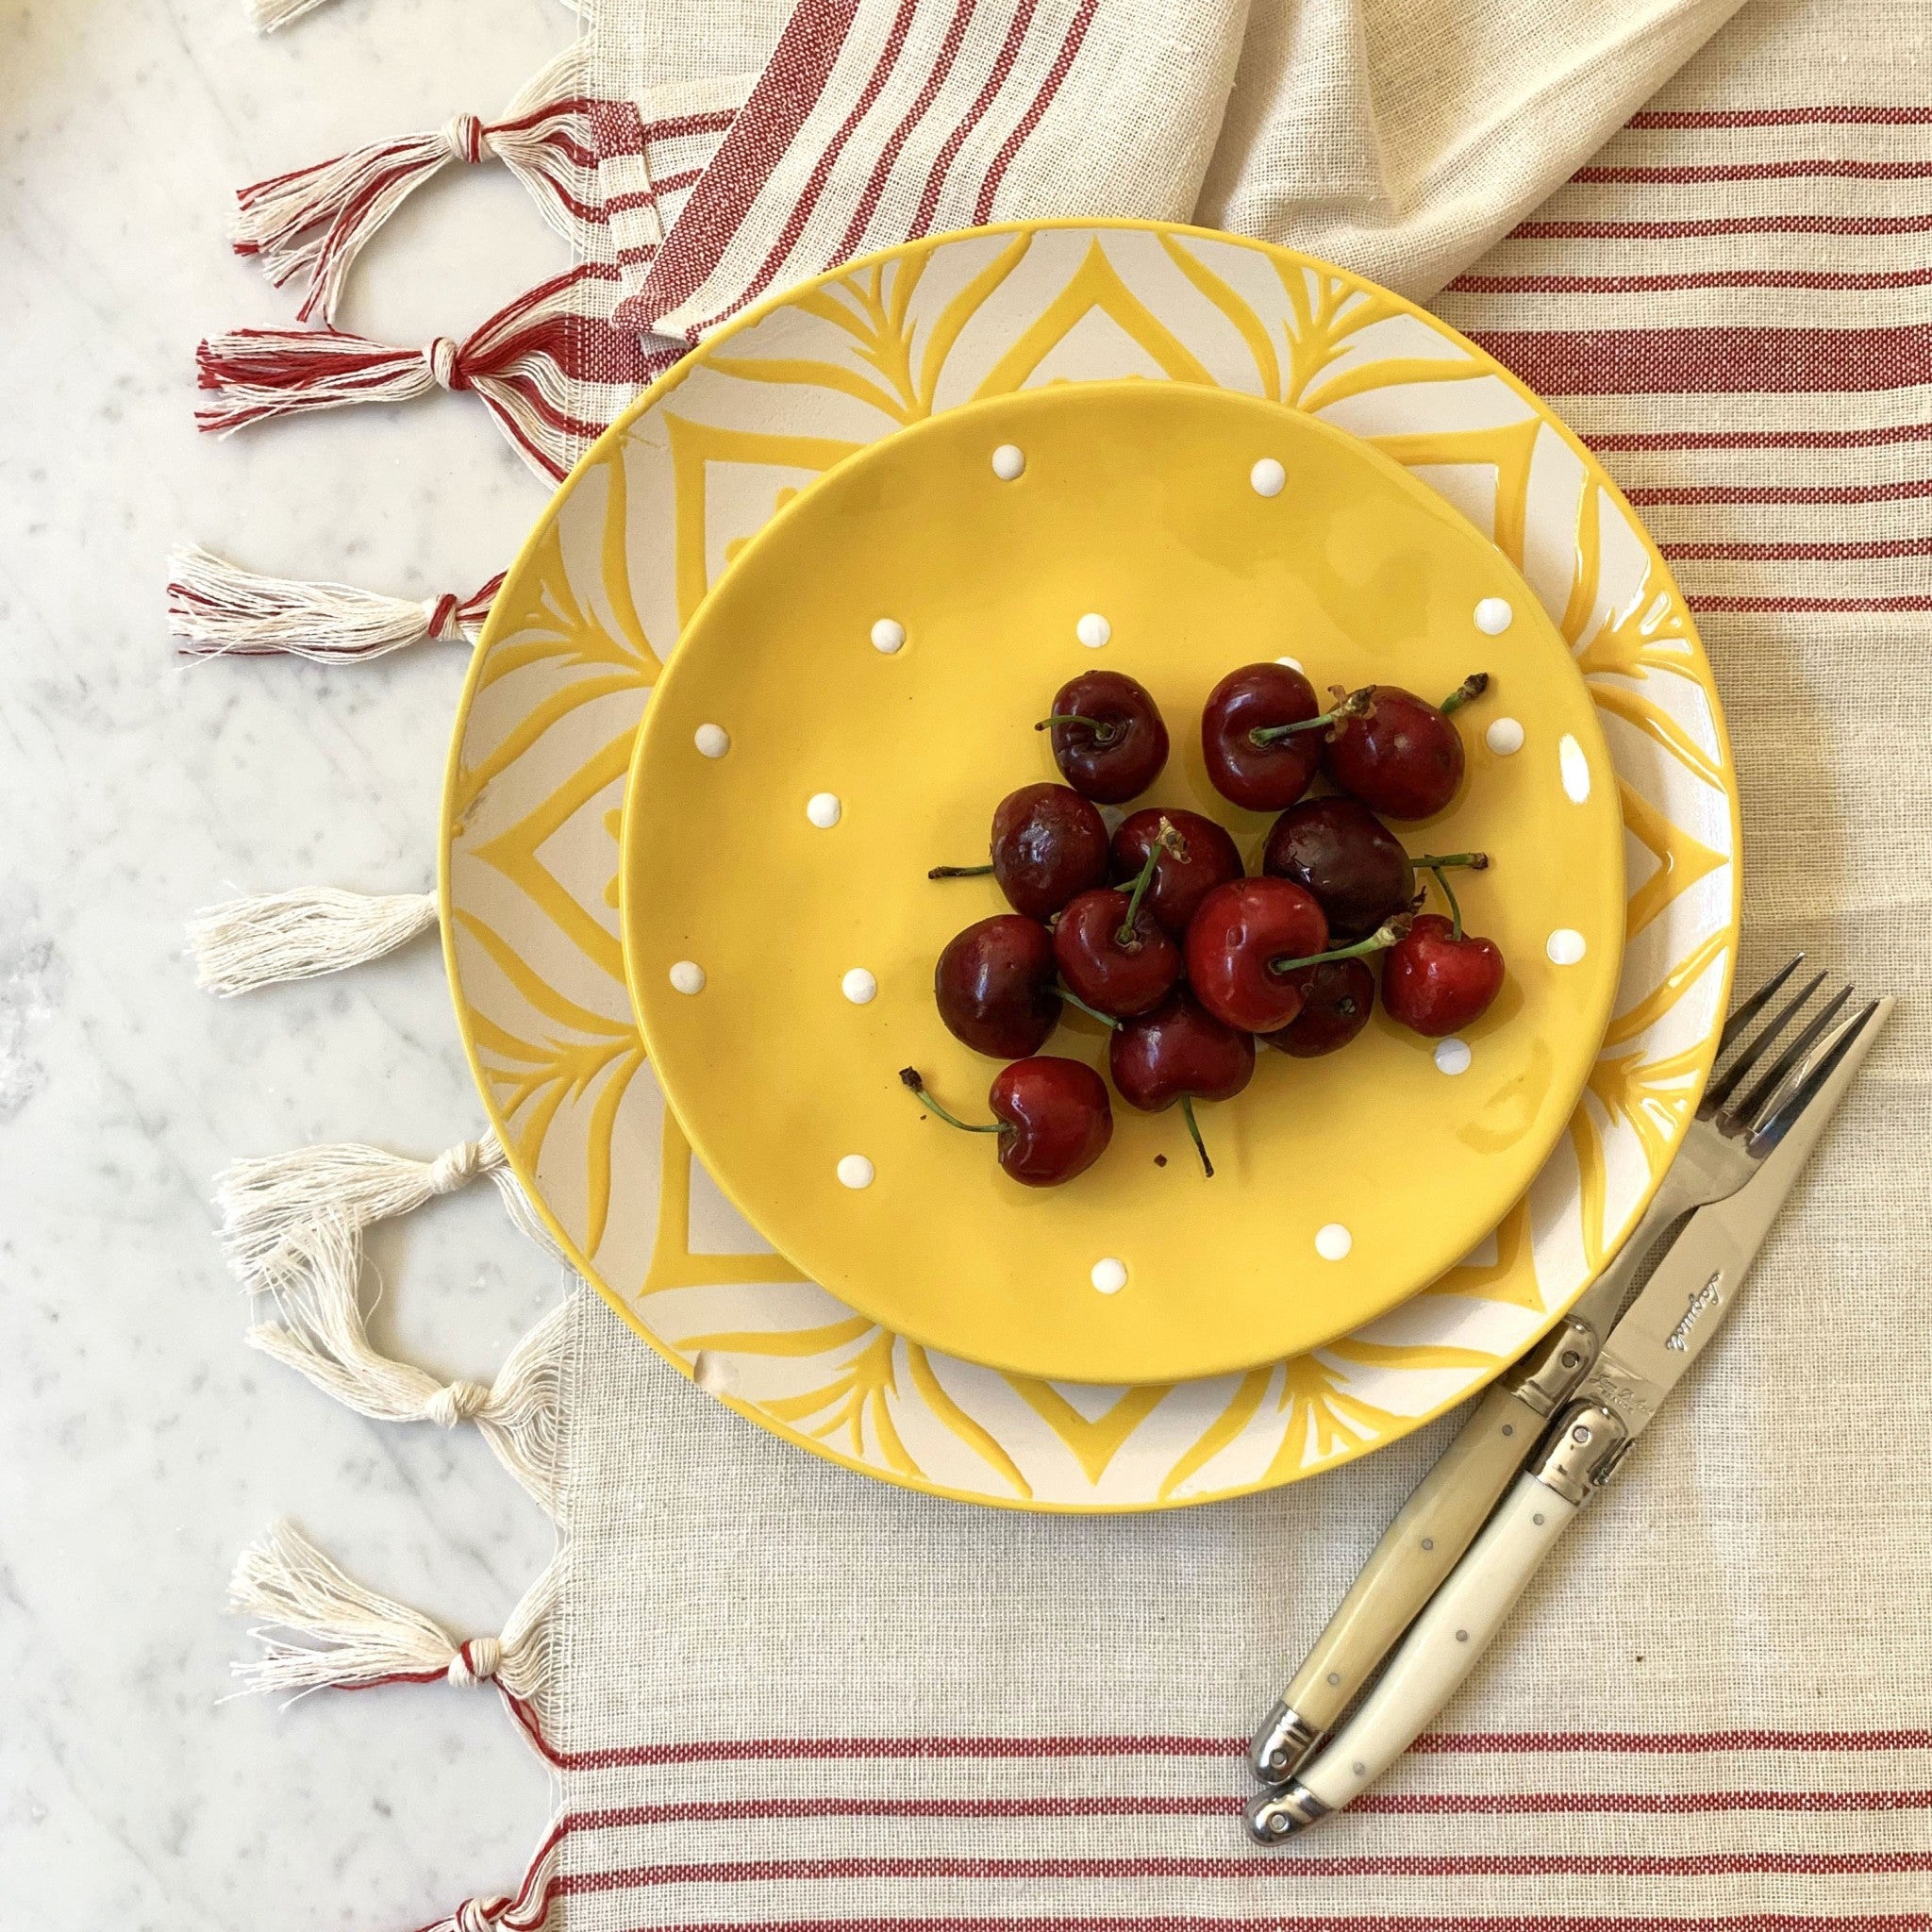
<point x="793" y="1750"/>
<point x="791" y="85"/>
<point x="1332" y="1921"/>
<point x="1063" y="60"/>
<point x="1779" y="492"/>
<point x="1870" y="552"/>
<point x="1725" y="361"/>
<point x="648" y="197"/>
<point x="1252" y="1866"/>
<point x="1821" y="167"/>
<point x="808" y="201"/>
<point x="713" y="121"/>
<point x="1706" y="278"/>
<point x="1880" y="438"/>
<point x="1721" y="225"/>
<point x="943" y="161"/>
<point x="1840" y="116"/>
<point x="882" y="168"/>
<point x="1876" y="606"/>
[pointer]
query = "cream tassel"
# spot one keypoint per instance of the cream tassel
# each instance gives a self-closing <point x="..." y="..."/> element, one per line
<point x="364" y="1639"/>
<point x="266" y="16"/>
<point x="323" y="1337"/>
<point x="246" y="944"/>
<point x="528" y="1912"/>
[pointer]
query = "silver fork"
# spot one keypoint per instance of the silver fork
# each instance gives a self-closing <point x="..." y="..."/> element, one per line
<point x="1730" y="1134"/>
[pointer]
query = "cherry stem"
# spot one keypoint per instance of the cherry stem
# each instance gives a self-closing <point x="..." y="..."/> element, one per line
<point x="910" y="1076"/>
<point x="1471" y="687"/>
<point x="1353" y="705"/>
<point x="1165" y="840"/>
<point x="958" y="871"/>
<point x="1455" y="911"/>
<point x="1382" y="937"/>
<point x="1435" y="862"/>
<point x="1073" y="999"/>
<point x="1194" y="1134"/>
<point x="1104" y="732"/>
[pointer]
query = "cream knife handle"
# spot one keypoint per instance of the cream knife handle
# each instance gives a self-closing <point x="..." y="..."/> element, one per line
<point x="1456" y="1628"/>
<point x="1419" y="1549"/>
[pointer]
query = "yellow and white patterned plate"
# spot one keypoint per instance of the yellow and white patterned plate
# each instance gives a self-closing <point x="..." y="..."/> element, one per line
<point x="653" y="517"/>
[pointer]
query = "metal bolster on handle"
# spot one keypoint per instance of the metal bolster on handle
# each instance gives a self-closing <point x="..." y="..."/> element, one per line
<point x="1278" y="1815"/>
<point x="1584" y="1449"/>
<point x="1545" y="1379"/>
<point x="1281" y="1743"/>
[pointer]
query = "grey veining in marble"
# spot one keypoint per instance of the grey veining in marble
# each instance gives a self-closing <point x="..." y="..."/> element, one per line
<point x="141" y="1444"/>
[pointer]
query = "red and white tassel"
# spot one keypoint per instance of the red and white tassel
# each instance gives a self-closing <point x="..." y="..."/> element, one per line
<point x="323" y="1337"/>
<point x="363" y="1638"/>
<point x="527" y="1911"/>
<point x="242" y="944"/>
<point x="551" y="367"/>
<point x="218" y="609"/>
<point x="314" y="221"/>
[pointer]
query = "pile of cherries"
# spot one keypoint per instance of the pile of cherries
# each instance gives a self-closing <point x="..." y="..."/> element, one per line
<point x="1156" y="931"/>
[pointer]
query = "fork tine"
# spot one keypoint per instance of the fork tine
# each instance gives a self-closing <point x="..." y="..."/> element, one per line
<point x="1770" y="1131"/>
<point x="1743" y="1016"/>
<point x="1721" y="1089"/>
<point x="1760" y="1098"/>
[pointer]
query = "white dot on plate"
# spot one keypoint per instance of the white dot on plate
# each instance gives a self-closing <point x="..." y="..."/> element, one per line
<point x="712" y="740"/>
<point x="1505" y="735"/>
<point x="1333" y="1242"/>
<point x="1293" y="664"/>
<point x="1452" y="1055"/>
<point x="859" y="986"/>
<point x="1268" y="477"/>
<point x="1575" y="770"/>
<point x="854" y="1171"/>
<point x="824" y="810"/>
<point x="1493" y="616"/>
<point x="1565" y="947"/>
<point x="713" y="1373"/>
<point x="1093" y="630"/>
<point x="1009" y="461"/>
<point x="688" y="976"/>
<point x="1109" y="1276"/>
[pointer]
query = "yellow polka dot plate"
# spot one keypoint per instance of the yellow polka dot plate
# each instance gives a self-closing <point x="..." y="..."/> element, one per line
<point x="793" y="783"/>
<point x="653" y="519"/>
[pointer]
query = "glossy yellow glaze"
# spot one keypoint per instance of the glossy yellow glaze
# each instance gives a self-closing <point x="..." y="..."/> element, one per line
<point x="1135" y="503"/>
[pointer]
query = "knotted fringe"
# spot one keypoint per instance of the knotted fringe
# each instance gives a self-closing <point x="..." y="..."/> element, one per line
<point x="363" y="1638"/>
<point x="321" y="1335"/>
<point x="217" y="610"/>
<point x="246" y="944"/>
<point x="532" y="365"/>
<point x="314" y="221"/>
<point x="528" y="1912"/>
<point x="277" y="1210"/>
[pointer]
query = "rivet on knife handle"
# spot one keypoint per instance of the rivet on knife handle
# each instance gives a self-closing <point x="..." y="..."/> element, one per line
<point x="1419" y="1549"/>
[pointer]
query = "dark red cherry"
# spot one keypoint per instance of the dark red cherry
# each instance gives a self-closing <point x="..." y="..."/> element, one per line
<point x="1107" y="736"/>
<point x="1049" y="844"/>
<point x="1179" y="1052"/>
<point x="1237" y="936"/>
<point x="1200" y="857"/>
<point x="1261" y="736"/>
<point x="994" y="985"/>
<point x="1112" y="954"/>
<point x="1403" y="757"/>
<point x="1438" y="980"/>
<point x="1341" y="854"/>
<point x="1053" y="1117"/>
<point x="1337" y="999"/>
<point x="1107" y="963"/>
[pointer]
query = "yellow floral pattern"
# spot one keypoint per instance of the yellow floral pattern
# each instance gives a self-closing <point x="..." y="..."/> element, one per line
<point x="629" y="548"/>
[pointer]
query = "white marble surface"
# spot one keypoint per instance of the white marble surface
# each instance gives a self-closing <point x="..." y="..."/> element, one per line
<point x="141" y="1445"/>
